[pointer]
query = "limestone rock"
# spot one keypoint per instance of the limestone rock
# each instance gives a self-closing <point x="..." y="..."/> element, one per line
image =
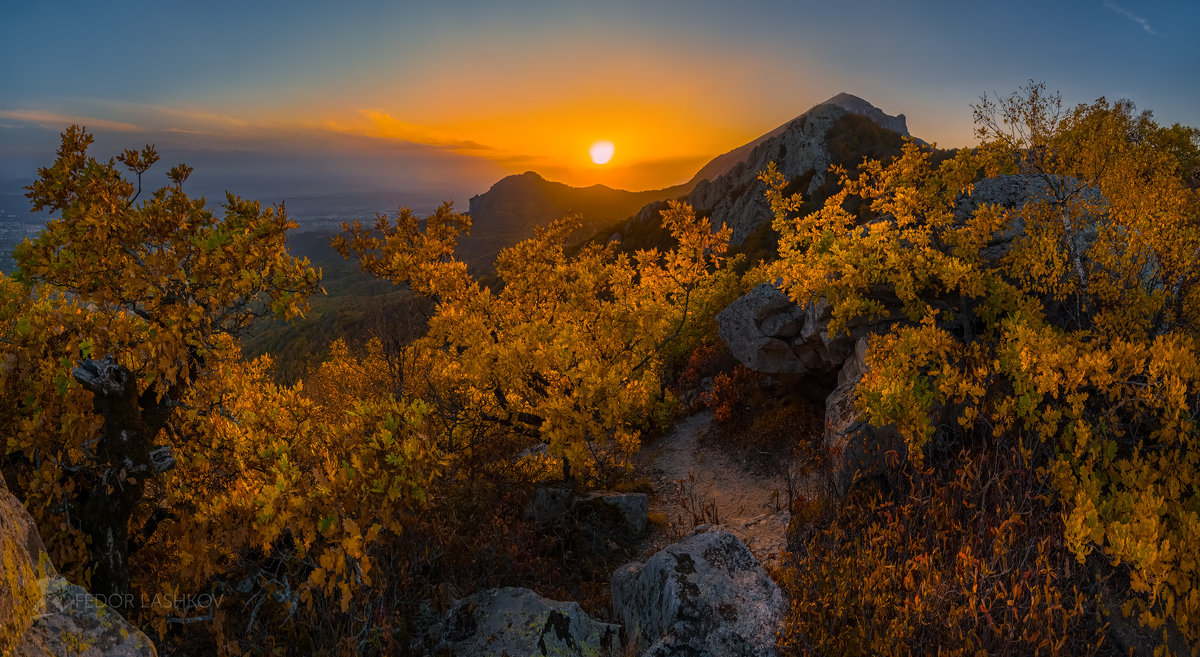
<point x="728" y="189"/>
<point x="23" y="568"/>
<point x="516" y="621"/>
<point x="1012" y="193"/>
<point x="856" y="105"/>
<point x="770" y="334"/>
<point x="75" y="623"/>
<point x="705" y="595"/>
<point x="736" y="198"/>
<point x="41" y="614"/>
<point x="858" y="448"/>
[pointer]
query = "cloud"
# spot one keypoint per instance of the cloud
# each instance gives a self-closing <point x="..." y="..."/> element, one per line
<point x="382" y="125"/>
<point x="1108" y="4"/>
<point x="55" y="121"/>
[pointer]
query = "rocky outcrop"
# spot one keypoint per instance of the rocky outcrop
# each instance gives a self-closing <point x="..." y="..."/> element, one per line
<point x="705" y="595"/>
<point x="770" y="334"/>
<point x="41" y="614"/>
<point x="1013" y="192"/>
<point x="734" y="198"/>
<point x="515" y="621"/>
<point x="23" y="568"/>
<point x="856" y="105"/>
<point x="856" y="447"/>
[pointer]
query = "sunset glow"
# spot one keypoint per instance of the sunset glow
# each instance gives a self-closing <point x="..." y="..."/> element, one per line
<point x="447" y="102"/>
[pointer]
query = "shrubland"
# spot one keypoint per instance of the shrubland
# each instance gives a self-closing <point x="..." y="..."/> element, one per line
<point x="1044" y="386"/>
<point x="226" y="512"/>
<point x="1046" y="393"/>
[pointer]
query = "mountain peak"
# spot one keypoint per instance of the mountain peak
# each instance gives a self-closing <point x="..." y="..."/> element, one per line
<point x="856" y="105"/>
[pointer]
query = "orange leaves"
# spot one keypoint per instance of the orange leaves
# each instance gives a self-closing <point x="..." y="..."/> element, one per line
<point x="960" y="564"/>
<point x="567" y="346"/>
<point x="1063" y="322"/>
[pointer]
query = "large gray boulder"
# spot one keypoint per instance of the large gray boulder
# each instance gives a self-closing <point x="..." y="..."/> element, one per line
<point x="769" y="333"/>
<point x="704" y="596"/>
<point x="42" y="614"/>
<point x="518" y="622"/>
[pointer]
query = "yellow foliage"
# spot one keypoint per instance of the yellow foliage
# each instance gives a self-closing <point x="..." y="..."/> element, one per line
<point x="568" y="348"/>
<point x="1077" y="346"/>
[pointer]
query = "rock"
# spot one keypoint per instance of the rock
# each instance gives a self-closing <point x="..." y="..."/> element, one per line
<point x="76" y="623"/>
<point x="856" y="105"/>
<point x="736" y="198"/>
<point x="549" y="504"/>
<point x="43" y="614"/>
<point x="770" y="334"/>
<point x="858" y="449"/>
<point x="23" y="568"/>
<point x="631" y="507"/>
<point x="1011" y="193"/>
<point x="728" y="190"/>
<point x="515" y="621"/>
<point x="622" y="512"/>
<point x="705" y="595"/>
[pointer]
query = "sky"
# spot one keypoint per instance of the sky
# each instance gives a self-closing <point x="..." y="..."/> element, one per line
<point x="443" y="99"/>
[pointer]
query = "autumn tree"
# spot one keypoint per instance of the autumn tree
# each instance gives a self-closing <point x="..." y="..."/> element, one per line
<point x="1062" y="325"/>
<point x="120" y="314"/>
<point x="568" y="347"/>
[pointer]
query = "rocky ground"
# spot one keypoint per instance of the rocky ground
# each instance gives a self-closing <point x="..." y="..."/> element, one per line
<point x="697" y="479"/>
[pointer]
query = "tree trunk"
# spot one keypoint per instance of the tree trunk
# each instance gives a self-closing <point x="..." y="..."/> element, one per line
<point x="125" y="461"/>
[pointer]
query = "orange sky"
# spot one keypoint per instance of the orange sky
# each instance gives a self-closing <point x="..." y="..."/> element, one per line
<point x="445" y="98"/>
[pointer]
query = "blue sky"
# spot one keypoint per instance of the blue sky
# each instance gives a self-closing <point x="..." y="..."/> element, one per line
<point x="446" y="97"/>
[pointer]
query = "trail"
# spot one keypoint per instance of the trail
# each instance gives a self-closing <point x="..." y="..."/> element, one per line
<point x="692" y="475"/>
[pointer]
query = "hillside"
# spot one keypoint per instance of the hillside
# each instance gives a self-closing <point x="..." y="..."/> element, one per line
<point x="840" y="131"/>
<point x="948" y="406"/>
<point x="517" y="204"/>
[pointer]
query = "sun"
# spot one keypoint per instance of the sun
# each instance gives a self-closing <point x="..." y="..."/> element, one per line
<point x="602" y="151"/>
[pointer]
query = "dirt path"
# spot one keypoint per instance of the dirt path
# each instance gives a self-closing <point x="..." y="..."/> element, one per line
<point x="693" y="477"/>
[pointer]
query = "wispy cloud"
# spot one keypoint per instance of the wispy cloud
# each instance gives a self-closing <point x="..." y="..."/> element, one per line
<point x="56" y="121"/>
<point x="1108" y="4"/>
<point x="381" y="125"/>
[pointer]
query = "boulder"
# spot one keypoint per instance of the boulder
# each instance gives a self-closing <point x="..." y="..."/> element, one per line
<point x="857" y="448"/>
<point x="23" y="569"/>
<point x="621" y="512"/>
<point x="703" y="596"/>
<point x="41" y="614"/>
<point x="630" y="508"/>
<point x="770" y="334"/>
<point x="516" y="621"/>
<point x="1012" y="192"/>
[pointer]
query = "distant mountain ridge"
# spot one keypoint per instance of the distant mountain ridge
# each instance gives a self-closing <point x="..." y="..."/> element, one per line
<point x="516" y="205"/>
<point x="527" y="200"/>
<point x="725" y="189"/>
